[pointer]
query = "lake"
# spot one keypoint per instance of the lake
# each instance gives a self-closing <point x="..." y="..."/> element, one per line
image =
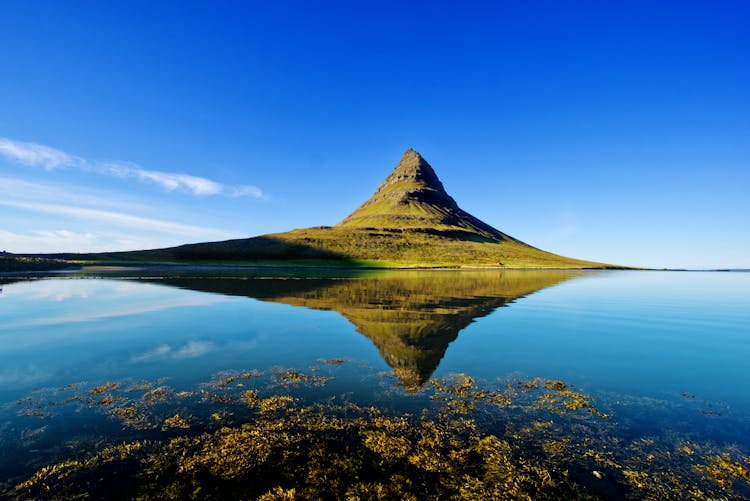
<point x="208" y="383"/>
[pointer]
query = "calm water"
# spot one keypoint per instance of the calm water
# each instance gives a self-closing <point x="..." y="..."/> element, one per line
<point x="663" y="353"/>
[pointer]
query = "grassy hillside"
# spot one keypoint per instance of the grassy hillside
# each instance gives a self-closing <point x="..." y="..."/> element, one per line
<point x="351" y="247"/>
<point x="412" y="247"/>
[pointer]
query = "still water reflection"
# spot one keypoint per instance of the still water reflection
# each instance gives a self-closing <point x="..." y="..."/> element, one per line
<point x="664" y="353"/>
<point x="411" y="317"/>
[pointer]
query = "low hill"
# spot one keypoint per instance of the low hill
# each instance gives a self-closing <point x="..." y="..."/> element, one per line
<point x="410" y="221"/>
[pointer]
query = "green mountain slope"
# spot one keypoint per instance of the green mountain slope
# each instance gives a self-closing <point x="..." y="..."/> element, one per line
<point x="410" y="221"/>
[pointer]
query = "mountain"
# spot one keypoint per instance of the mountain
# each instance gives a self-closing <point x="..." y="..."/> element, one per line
<point x="410" y="221"/>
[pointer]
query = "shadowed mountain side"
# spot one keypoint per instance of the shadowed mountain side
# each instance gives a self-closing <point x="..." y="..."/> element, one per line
<point x="254" y="248"/>
<point x="262" y="248"/>
<point x="19" y="262"/>
<point x="411" y="317"/>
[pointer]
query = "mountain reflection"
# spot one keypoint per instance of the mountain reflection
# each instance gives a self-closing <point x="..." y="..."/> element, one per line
<point x="411" y="316"/>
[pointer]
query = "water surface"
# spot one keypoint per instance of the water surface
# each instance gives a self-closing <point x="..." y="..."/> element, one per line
<point x="662" y="354"/>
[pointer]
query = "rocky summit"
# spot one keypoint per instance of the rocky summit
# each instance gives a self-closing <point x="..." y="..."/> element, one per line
<point x="413" y="197"/>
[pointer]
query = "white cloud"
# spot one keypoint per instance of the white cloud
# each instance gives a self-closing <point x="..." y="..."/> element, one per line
<point x="247" y="191"/>
<point x="171" y="181"/>
<point x="37" y="155"/>
<point x="197" y="185"/>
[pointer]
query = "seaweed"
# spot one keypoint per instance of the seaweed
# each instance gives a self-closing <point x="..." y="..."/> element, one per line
<point x="287" y="438"/>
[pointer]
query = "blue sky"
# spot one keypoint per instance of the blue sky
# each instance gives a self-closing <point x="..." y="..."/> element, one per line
<point x="611" y="131"/>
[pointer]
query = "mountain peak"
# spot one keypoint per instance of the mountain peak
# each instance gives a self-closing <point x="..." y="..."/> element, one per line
<point x="413" y="168"/>
<point x="413" y="197"/>
<point x="410" y="157"/>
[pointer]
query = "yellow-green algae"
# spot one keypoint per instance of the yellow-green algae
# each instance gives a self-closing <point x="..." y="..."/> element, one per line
<point x="250" y="435"/>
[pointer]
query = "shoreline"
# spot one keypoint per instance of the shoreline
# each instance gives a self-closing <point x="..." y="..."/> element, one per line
<point x="114" y="268"/>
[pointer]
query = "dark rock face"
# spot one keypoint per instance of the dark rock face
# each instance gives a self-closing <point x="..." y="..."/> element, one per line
<point x="413" y="197"/>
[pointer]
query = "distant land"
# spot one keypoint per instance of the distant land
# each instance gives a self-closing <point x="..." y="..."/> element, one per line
<point x="410" y="222"/>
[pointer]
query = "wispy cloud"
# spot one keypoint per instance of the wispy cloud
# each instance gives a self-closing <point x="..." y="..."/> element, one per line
<point x="247" y="191"/>
<point x="38" y="155"/>
<point x="169" y="181"/>
<point x="81" y="219"/>
<point x="69" y="194"/>
<point x="119" y="218"/>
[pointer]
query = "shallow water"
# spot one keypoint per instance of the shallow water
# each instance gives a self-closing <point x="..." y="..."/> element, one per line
<point x="663" y="354"/>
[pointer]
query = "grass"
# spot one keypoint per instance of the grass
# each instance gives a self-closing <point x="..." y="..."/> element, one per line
<point x="354" y="248"/>
<point x="345" y="247"/>
<point x="247" y="263"/>
<point x="428" y="248"/>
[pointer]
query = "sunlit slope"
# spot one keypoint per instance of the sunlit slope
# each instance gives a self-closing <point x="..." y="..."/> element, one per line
<point x="414" y="247"/>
